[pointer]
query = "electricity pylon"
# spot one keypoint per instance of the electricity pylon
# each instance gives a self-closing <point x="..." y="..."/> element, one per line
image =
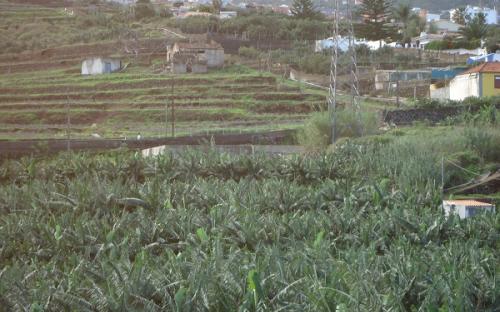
<point x="343" y="43"/>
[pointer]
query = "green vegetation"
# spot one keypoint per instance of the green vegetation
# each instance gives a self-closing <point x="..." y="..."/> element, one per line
<point x="357" y="229"/>
<point x="317" y="130"/>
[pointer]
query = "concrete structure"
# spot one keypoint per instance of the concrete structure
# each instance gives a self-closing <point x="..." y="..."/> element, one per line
<point x="491" y="15"/>
<point x="188" y="63"/>
<point x="424" y="39"/>
<point x="210" y="54"/>
<point x="446" y="27"/>
<point x="388" y="79"/>
<point x="100" y="65"/>
<point x="480" y="81"/>
<point x="466" y="208"/>
<point x="329" y="43"/>
<point x="123" y="2"/>
<point x="227" y="14"/>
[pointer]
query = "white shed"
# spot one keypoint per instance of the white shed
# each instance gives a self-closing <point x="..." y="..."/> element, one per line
<point x="466" y="208"/>
<point x="100" y="65"/>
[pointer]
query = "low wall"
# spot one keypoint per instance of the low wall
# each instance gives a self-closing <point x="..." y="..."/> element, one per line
<point x="46" y="147"/>
<point x="435" y="115"/>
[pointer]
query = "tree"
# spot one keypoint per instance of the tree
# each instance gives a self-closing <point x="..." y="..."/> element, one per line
<point x="143" y="9"/>
<point x="375" y="15"/>
<point x="410" y="24"/>
<point x="217" y="6"/>
<point x="476" y="28"/>
<point x="304" y="9"/>
<point x="459" y="16"/>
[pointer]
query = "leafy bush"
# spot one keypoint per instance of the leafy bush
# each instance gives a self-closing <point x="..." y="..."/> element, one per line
<point x="249" y="52"/>
<point x="484" y="141"/>
<point x="317" y="130"/>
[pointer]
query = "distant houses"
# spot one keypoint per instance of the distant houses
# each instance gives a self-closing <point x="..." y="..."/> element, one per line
<point x="100" y="65"/>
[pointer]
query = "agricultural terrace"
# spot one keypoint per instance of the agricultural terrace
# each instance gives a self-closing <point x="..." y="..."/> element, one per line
<point x="358" y="229"/>
<point x="37" y="89"/>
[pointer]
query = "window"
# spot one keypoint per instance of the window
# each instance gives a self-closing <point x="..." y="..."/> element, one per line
<point x="497" y="81"/>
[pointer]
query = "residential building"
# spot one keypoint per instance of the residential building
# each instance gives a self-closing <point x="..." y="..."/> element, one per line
<point x="227" y="14"/>
<point x="446" y="27"/>
<point x="100" y="65"/>
<point x="466" y="208"/>
<point x="480" y="81"/>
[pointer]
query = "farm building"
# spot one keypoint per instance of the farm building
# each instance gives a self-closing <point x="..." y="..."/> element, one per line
<point x="466" y="208"/>
<point x="188" y="63"/>
<point x="480" y="81"/>
<point x="212" y="53"/>
<point x="100" y="65"/>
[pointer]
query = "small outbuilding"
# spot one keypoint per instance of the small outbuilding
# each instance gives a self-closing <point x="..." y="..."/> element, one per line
<point x="466" y="208"/>
<point x="100" y="65"/>
<point x="188" y="63"/>
<point x="198" y="55"/>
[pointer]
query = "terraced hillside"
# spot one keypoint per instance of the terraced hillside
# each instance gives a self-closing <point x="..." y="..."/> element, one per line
<point x="36" y="103"/>
<point x="41" y="87"/>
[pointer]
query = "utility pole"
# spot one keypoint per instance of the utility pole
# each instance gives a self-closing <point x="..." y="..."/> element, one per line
<point x="68" y="125"/>
<point x="173" y="107"/>
<point x="166" y="118"/>
<point x="347" y="29"/>
<point x="442" y="175"/>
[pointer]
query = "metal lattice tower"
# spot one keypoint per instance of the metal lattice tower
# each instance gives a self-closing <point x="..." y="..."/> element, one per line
<point x="343" y="70"/>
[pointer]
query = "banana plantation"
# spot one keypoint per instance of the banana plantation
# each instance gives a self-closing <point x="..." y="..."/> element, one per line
<point x="355" y="229"/>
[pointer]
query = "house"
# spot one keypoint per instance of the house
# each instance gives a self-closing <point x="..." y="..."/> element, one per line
<point x="466" y="208"/>
<point x="212" y="53"/>
<point x="480" y="81"/>
<point x="100" y="65"/>
<point x="227" y="14"/>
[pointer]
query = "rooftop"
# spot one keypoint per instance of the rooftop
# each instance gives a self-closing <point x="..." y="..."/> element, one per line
<point x="490" y="67"/>
<point x="467" y="202"/>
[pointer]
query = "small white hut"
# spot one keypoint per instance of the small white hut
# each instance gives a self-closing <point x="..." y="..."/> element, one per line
<point x="100" y="65"/>
<point x="466" y="208"/>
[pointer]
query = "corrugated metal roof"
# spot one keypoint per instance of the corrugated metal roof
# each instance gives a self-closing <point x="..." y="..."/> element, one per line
<point x="491" y="67"/>
<point x="467" y="202"/>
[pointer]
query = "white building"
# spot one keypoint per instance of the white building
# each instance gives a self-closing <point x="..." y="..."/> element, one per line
<point x="100" y="65"/>
<point x="227" y="14"/>
<point x="431" y="17"/>
<point x="123" y="2"/>
<point x="490" y="14"/>
<point x="466" y="208"/>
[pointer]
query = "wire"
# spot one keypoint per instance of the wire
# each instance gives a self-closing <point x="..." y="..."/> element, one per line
<point x="464" y="169"/>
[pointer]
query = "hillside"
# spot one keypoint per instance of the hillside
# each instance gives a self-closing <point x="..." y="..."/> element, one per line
<point x="42" y="86"/>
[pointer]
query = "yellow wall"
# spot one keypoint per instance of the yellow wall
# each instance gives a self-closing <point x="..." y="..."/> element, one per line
<point x="489" y="84"/>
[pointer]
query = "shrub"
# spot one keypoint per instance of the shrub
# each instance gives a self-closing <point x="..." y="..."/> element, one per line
<point x="249" y="52"/>
<point x="317" y="131"/>
<point x="483" y="140"/>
